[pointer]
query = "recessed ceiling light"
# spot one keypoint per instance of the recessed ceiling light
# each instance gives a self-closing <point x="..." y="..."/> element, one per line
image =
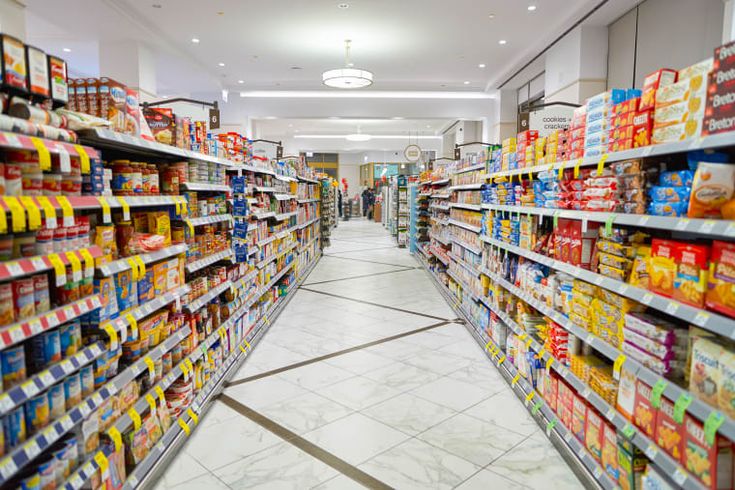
<point x="195" y="40"/>
<point x="428" y="126"/>
<point x="481" y="65"/>
<point x="466" y="82"/>
<point x="66" y="50"/>
<point x="491" y="16"/>
<point x="343" y="6"/>
<point x="502" y="41"/>
<point x="296" y="68"/>
<point x="397" y="118"/>
<point x="531" y="8"/>
<point x="221" y="64"/>
<point x="156" y="5"/>
<point x="241" y="81"/>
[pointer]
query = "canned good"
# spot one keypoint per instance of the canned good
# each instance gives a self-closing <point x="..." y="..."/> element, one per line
<point x="70" y="336"/>
<point x="87" y="378"/>
<point x="14" y="426"/>
<point x="56" y="401"/>
<point x="23" y="297"/>
<point x="13" y="362"/>
<point x="43" y="350"/>
<point x="51" y="184"/>
<point x="73" y="390"/>
<point x="37" y="413"/>
<point x="47" y="472"/>
<point x="13" y="179"/>
<point x="41" y="298"/>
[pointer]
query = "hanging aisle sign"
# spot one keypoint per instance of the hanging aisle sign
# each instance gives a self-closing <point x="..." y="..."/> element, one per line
<point x="412" y="153"/>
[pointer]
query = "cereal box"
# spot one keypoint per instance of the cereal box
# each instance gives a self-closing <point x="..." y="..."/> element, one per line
<point x="609" y="456"/>
<point x="690" y="283"/>
<point x="704" y="377"/>
<point x="173" y="276"/>
<point x="593" y="429"/>
<point x="721" y="288"/>
<point x="631" y="467"/>
<point x="579" y="414"/>
<point x="663" y="266"/>
<point x="668" y="432"/>
<point x="626" y="393"/>
<point x="712" y="465"/>
<point x="160" y="278"/>
<point x="726" y="392"/>
<point x="644" y="415"/>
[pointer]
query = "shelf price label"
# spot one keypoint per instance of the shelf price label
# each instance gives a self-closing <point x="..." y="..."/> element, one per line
<point x="125" y="208"/>
<point x="193" y="416"/>
<point x="59" y="269"/>
<point x="44" y="156"/>
<point x="656" y="392"/>
<point x="76" y="266"/>
<point x="184" y="426"/>
<point x="151" y="403"/>
<point x="550" y="426"/>
<point x="135" y="417"/>
<point x="133" y="325"/>
<point x="102" y="463"/>
<point x="536" y="408"/>
<point x="83" y="158"/>
<point x="115" y="437"/>
<point x="601" y="164"/>
<point x="711" y="425"/>
<point x="576" y="168"/>
<point x="106" y="214"/>
<point x="151" y="368"/>
<point x="17" y="214"/>
<point x="3" y="221"/>
<point x="67" y="212"/>
<point x="159" y="392"/>
<point x="141" y="266"/>
<point x="112" y="333"/>
<point x="88" y="262"/>
<point x="529" y="397"/>
<point x="515" y="380"/>
<point x="34" y="213"/>
<point x="49" y="212"/>
<point x="64" y="160"/>
<point x="618" y="365"/>
<point x="133" y="268"/>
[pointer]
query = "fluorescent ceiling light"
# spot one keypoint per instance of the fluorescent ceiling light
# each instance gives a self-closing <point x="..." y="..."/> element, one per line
<point x="66" y="50"/>
<point x="347" y="77"/>
<point x="195" y="40"/>
<point x="372" y="136"/>
<point x="466" y="82"/>
<point x="358" y="137"/>
<point x="531" y="8"/>
<point x="241" y="81"/>
<point x="481" y="65"/>
<point x="221" y="64"/>
<point x="373" y="94"/>
<point x="502" y="41"/>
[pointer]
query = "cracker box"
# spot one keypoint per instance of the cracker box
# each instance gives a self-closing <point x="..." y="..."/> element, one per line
<point x="721" y="281"/>
<point x="712" y="465"/>
<point x="551" y="387"/>
<point x="609" y="456"/>
<point x="112" y="95"/>
<point x="690" y="283"/>
<point x="668" y="432"/>
<point x="726" y="392"/>
<point x="126" y="290"/>
<point x="626" y="393"/>
<point x="579" y="414"/>
<point x="663" y="266"/>
<point x="160" y="278"/>
<point x="564" y="403"/>
<point x="642" y="128"/>
<point x="173" y="278"/>
<point x="704" y="376"/>
<point x="593" y="429"/>
<point x="653" y="82"/>
<point x="146" y="290"/>
<point x="644" y="415"/>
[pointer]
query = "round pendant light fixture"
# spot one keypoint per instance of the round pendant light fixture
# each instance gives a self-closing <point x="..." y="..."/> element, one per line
<point x="347" y="77"/>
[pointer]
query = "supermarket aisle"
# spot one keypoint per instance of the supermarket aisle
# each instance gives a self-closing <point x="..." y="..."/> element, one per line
<point x="425" y="410"/>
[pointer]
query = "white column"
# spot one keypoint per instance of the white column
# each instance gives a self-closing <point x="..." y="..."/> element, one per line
<point x="728" y="22"/>
<point x="132" y="63"/>
<point x="505" y="118"/>
<point x="576" y="67"/>
<point x="13" y="18"/>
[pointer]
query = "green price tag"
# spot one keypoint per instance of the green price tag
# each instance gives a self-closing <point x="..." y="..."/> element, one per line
<point x="714" y="421"/>
<point x="657" y="391"/>
<point x="550" y="426"/>
<point x="680" y="406"/>
<point x="608" y="224"/>
<point x="556" y="219"/>
<point x="536" y="408"/>
<point x="628" y="431"/>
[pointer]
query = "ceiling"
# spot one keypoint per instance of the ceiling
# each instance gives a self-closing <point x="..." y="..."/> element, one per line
<point x="397" y="127"/>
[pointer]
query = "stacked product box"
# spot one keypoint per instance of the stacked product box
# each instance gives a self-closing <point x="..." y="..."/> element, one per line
<point x="525" y="148"/>
<point x="620" y="133"/>
<point x="508" y="154"/>
<point x="577" y="132"/>
<point x="719" y="114"/>
<point x="598" y="115"/>
<point x="643" y="121"/>
<point x="679" y="107"/>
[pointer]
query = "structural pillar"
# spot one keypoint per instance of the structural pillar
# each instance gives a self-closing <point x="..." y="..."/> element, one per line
<point x="132" y="63"/>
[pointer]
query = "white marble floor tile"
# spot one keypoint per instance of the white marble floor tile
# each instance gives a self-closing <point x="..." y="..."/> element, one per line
<point x="451" y="393"/>
<point x="315" y="376"/>
<point x="263" y="392"/>
<point x="409" y="413"/>
<point x="482" y="374"/>
<point x="438" y="362"/>
<point x="208" y="481"/>
<point x="339" y="482"/>
<point x="401" y="376"/>
<point x="306" y="412"/>
<point x="358" y="393"/>
<point x="417" y="465"/>
<point x="281" y="467"/>
<point x="181" y="470"/>
<point x="472" y="439"/>
<point x="355" y="438"/>
<point x="506" y="410"/>
<point x="486" y="479"/>
<point x="359" y="362"/>
<point x="217" y="413"/>
<point x="537" y="464"/>
<point x="397" y="350"/>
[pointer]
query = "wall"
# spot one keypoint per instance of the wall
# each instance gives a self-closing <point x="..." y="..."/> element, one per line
<point x="352" y="174"/>
<point x="670" y="33"/>
<point x="13" y="19"/>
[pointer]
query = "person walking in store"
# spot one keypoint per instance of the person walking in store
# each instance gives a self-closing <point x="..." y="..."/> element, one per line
<point x="371" y="202"/>
<point x="339" y="201"/>
<point x="365" y="201"/>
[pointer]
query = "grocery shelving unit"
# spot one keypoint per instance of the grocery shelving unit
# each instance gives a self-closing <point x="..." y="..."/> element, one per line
<point x="403" y="211"/>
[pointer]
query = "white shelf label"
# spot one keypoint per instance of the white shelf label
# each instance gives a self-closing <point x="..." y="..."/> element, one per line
<point x="651" y="451"/>
<point x="76" y="480"/>
<point x="29" y="389"/>
<point x="647" y="298"/>
<point x="672" y="308"/>
<point x="6" y="403"/>
<point x="8" y="468"/>
<point x="47" y="378"/>
<point x="679" y="476"/>
<point x="66" y="366"/>
<point x="66" y="423"/>
<point x="32" y="449"/>
<point x="84" y="409"/>
<point x="701" y="318"/>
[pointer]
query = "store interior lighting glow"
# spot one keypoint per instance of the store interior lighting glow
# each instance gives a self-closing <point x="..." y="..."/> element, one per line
<point x="195" y="40"/>
<point x="358" y="137"/>
<point x="531" y="8"/>
<point x="502" y="41"/>
<point x="347" y="77"/>
<point x="370" y="94"/>
<point x="372" y="136"/>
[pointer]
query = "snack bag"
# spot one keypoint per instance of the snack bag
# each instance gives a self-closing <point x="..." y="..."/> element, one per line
<point x="721" y="288"/>
<point x="712" y="188"/>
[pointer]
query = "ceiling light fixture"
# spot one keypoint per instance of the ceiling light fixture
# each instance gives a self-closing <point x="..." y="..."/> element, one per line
<point x="221" y="64"/>
<point x="195" y="40"/>
<point x="502" y="41"/>
<point x="347" y="77"/>
<point x="491" y="16"/>
<point x="343" y="6"/>
<point x="481" y="65"/>
<point x="372" y="136"/>
<point x="531" y="8"/>
<point x="241" y="81"/>
<point x="66" y="50"/>
<point x="466" y="82"/>
<point x="358" y="137"/>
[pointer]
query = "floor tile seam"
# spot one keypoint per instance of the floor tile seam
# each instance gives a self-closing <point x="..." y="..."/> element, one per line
<point x="371" y="303"/>
<point x="363" y="276"/>
<point x="304" y="445"/>
<point x="367" y="261"/>
<point x="487" y="467"/>
<point x="365" y="250"/>
<point x="314" y="360"/>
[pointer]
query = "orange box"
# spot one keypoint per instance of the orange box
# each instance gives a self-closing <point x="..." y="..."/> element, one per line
<point x="593" y="429"/>
<point x="622" y="133"/>
<point x="663" y="266"/>
<point x="644" y="415"/>
<point x="579" y="415"/>
<point x="668" y="432"/>
<point x="621" y="120"/>
<point x="642" y="128"/>
<point x="712" y="465"/>
<point x="690" y="283"/>
<point x="609" y="456"/>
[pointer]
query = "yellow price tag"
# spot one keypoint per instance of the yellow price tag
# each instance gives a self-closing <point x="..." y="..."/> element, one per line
<point x="185" y="370"/>
<point x="151" y="403"/>
<point x="184" y="206"/>
<point x="191" y="366"/>
<point x="618" y="365"/>
<point x="549" y="362"/>
<point x="83" y="158"/>
<point x="17" y="214"/>
<point x="125" y="208"/>
<point x="184" y="426"/>
<point x="34" y="213"/>
<point x="159" y="392"/>
<point x="134" y="268"/>
<point x="49" y="212"/>
<point x="151" y="366"/>
<point x="102" y="462"/>
<point x="551" y="167"/>
<point x="67" y="212"/>
<point x="489" y="346"/>
<point x="133" y="326"/>
<point x="76" y="266"/>
<point x="523" y="336"/>
<point x="247" y="344"/>
<point x="191" y="227"/>
<point x="177" y="203"/>
<point x="530" y="175"/>
<point x="44" y="156"/>
<point x="193" y="416"/>
<point x="601" y="164"/>
<point x="541" y="352"/>
<point x="115" y="437"/>
<point x="576" y="167"/>
<point x="243" y="349"/>
<point x="59" y="269"/>
<point x="529" y="341"/>
<point x="3" y="221"/>
<point x="112" y="333"/>
<point x="88" y="262"/>
<point x="135" y="417"/>
<point x="530" y="396"/>
<point x="560" y="174"/>
<point x="501" y="360"/>
<point x="141" y="266"/>
<point x="515" y="380"/>
<point x="106" y="213"/>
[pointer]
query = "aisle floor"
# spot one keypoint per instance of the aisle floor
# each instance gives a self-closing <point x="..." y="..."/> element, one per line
<point x="426" y="410"/>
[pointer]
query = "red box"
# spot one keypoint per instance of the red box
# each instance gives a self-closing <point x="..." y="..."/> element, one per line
<point x="642" y="128"/>
<point x="690" y="283"/>
<point x="652" y="83"/>
<point x="644" y="415"/>
<point x="526" y="137"/>
<point x="622" y="133"/>
<point x="668" y="433"/>
<point x="620" y="145"/>
<point x="712" y="465"/>
<point x="721" y="287"/>
<point x="579" y="415"/>
<point x="622" y="120"/>
<point x="593" y="429"/>
<point x="564" y="403"/>
<point x="551" y="389"/>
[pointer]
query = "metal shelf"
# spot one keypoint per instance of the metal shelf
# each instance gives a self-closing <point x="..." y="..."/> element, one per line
<point x="123" y="264"/>
<point x="478" y="166"/>
<point x="470" y="207"/>
<point x="304" y="201"/>
<point x="13" y="269"/>
<point x="466" y="187"/>
<point x="204" y="299"/>
<point x="276" y="256"/>
<point x="205" y="187"/>
<point x="150" y="307"/>
<point x="206" y="261"/>
<point x="208" y="220"/>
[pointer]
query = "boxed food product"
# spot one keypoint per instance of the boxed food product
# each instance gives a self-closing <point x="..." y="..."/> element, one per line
<point x="721" y="288"/>
<point x="690" y="283"/>
<point x="631" y="464"/>
<point x="712" y="188"/>
<point x="564" y="403"/>
<point x="593" y="432"/>
<point x="642" y="128"/>
<point x="711" y="464"/>
<point x="609" y="457"/>
<point x="112" y="107"/>
<point x="626" y="393"/>
<point x="579" y="415"/>
<point x="644" y="415"/>
<point x="668" y="432"/>
<point x="726" y="391"/>
<point x="705" y="375"/>
<point x="677" y="132"/>
<point x="663" y="266"/>
<point x="701" y="68"/>
<point x="652" y="83"/>
<point x="162" y="125"/>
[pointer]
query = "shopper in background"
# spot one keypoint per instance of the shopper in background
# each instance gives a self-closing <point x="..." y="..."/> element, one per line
<point x="371" y="202"/>
<point x="339" y="201"/>
<point x="365" y="201"/>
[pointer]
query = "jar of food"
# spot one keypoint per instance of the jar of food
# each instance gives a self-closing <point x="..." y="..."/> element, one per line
<point x="137" y="174"/>
<point x="122" y="178"/>
<point x="153" y="180"/>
